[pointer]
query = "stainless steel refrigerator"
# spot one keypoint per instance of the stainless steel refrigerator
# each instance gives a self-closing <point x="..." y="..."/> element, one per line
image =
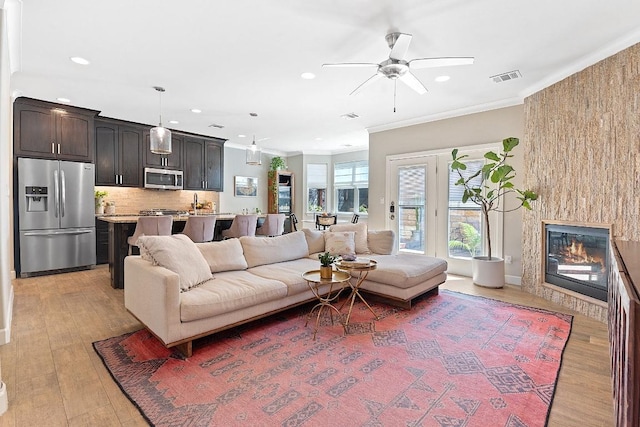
<point x="56" y="215"/>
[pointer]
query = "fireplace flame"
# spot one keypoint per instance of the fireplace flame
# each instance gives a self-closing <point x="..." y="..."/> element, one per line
<point x="576" y="253"/>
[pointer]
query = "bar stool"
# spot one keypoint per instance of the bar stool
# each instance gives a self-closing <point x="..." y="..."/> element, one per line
<point x="293" y="220"/>
<point x="355" y="218"/>
<point x="242" y="225"/>
<point x="273" y="225"/>
<point x="159" y="225"/>
<point x="200" y="228"/>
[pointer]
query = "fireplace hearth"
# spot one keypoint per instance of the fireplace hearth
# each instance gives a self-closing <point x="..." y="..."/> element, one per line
<point x="577" y="259"/>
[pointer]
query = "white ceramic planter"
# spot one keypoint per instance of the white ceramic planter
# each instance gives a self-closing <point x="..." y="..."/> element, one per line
<point x="488" y="272"/>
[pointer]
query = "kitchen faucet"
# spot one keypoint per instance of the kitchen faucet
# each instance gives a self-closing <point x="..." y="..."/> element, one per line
<point x="195" y="203"/>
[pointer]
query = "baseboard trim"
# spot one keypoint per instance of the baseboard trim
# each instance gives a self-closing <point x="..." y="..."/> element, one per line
<point x="5" y="333"/>
<point x="513" y="280"/>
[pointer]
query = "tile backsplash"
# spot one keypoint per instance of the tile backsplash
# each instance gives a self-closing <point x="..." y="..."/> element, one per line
<point x="133" y="200"/>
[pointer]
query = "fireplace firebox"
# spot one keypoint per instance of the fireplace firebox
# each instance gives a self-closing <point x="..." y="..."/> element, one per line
<point x="577" y="259"/>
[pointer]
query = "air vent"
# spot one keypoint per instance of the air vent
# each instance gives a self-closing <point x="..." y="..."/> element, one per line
<point x="515" y="74"/>
<point x="350" y="116"/>
<point x="217" y="126"/>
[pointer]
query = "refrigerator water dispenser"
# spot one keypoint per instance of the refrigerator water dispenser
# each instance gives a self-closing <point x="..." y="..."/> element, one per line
<point x="37" y="199"/>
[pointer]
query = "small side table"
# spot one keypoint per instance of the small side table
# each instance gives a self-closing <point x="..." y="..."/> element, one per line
<point x="324" y="301"/>
<point x="363" y="272"/>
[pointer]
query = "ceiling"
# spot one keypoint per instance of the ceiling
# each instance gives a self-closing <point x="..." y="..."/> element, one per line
<point x="230" y="59"/>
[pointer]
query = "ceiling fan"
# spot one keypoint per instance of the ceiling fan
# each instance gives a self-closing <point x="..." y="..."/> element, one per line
<point x="397" y="68"/>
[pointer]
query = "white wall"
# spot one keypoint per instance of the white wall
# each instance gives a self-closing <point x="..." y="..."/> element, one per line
<point x="235" y="164"/>
<point x="473" y="129"/>
<point x="6" y="180"/>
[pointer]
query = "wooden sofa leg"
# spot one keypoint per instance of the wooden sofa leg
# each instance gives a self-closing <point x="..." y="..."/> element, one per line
<point x="186" y="348"/>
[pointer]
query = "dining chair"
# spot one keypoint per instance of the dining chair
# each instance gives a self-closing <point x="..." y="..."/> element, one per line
<point x="324" y="221"/>
<point x="293" y="221"/>
<point x="242" y="225"/>
<point x="273" y="225"/>
<point x="157" y="225"/>
<point x="200" y="228"/>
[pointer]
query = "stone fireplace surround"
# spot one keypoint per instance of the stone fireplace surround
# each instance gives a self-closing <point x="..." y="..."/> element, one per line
<point x="582" y="156"/>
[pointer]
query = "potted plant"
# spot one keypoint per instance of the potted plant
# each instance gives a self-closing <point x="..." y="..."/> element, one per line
<point x="326" y="259"/>
<point x="99" y="198"/>
<point x="277" y="163"/>
<point x="486" y="188"/>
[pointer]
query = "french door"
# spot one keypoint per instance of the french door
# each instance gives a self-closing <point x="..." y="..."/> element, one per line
<point x="412" y="205"/>
<point x="425" y="209"/>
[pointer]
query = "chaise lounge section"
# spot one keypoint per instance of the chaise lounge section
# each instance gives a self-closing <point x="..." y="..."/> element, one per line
<point x="181" y="291"/>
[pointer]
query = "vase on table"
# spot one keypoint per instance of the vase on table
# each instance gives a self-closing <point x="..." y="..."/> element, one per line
<point x="326" y="272"/>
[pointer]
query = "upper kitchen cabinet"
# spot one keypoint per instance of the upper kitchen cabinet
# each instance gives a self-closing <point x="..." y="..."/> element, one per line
<point x="118" y="154"/>
<point x="203" y="163"/>
<point x="171" y="161"/>
<point x="53" y="131"/>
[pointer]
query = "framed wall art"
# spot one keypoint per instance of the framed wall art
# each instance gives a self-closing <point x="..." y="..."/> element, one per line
<point x="245" y="186"/>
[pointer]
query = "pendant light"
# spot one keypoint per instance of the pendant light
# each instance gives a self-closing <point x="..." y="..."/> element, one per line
<point x="254" y="154"/>
<point x="159" y="136"/>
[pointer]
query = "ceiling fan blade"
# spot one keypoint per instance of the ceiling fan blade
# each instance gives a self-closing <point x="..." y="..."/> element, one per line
<point x="369" y="81"/>
<point x="400" y="47"/>
<point x="351" y="64"/>
<point x="415" y="84"/>
<point x="444" y="61"/>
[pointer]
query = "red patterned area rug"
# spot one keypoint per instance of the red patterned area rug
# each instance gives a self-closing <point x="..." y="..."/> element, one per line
<point x="452" y="360"/>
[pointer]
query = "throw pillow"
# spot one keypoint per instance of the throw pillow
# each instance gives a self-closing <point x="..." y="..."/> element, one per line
<point x="340" y="243"/>
<point x="223" y="256"/>
<point x="361" y="235"/>
<point x="315" y="240"/>
<point x="178" y="254"/>
<point x="382" y="242"/>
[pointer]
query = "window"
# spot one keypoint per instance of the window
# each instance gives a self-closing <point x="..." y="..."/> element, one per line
<point x="316" y="187"/>
<point x="465" y="219"/>
<point x="351" y="181"/>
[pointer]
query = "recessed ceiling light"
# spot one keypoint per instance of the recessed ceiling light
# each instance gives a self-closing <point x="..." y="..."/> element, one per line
<point x="195" y="110"/>
<point x="242" y="136"/>
<point x="441" y="79"/>
<point x="174" y="122"/>
<point x="350" y="116"/>
<point x="318" y="139"/>
<point x="65" y="100"/>
<point x="308" y="76"/>
<point x="80" y="60"/>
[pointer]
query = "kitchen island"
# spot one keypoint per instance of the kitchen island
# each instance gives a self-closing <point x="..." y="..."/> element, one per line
<point x="122" y="226"/>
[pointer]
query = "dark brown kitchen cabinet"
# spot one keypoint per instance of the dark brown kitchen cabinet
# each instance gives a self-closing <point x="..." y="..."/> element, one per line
<point x="203" y="164"/>
<point x="170" y="161"/>
<point x="118" y="154"/>
<point x="53" y="131"/>
<point x="102" y="242"/>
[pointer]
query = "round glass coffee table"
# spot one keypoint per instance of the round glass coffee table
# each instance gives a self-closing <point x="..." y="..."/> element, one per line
<point x="363" y="271"/>
<point x="325" y="300"/>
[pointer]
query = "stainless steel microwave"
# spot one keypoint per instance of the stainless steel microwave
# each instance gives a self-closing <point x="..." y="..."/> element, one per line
<point x="162" y="179"/>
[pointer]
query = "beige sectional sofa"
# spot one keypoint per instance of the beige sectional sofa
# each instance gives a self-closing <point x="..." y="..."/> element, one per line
<point x="182" y="291"/>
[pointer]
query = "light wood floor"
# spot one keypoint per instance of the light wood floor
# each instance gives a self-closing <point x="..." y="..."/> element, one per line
<point x="55" y="378"/>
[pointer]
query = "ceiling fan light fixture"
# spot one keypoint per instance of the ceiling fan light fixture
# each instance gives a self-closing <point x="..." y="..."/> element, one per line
<point x="160" y="137"/>
<point x="254" y="154"/>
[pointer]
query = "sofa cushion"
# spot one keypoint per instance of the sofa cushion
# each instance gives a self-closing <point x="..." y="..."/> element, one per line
<point x="289" y="273"/>
<point x="227" y="292"/>
<point x="223" y="256"/>
<point x="315" y="240"/>
<point x="178" y="254"/>
<point x="340" y="243"/>
<point x="382" y="241"/>
<point x="360" y="230"/>
<point x="267" y="250"/>
<point x="405" y="270"/>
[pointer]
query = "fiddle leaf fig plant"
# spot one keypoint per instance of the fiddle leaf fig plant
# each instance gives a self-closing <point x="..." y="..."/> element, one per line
<point x="495" y="181"/>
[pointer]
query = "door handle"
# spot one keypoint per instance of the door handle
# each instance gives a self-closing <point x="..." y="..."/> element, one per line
<point x="58" y="148"/>
<point x="56" y="193"/>
<point x="63" y="190"/>
<point x="53" y="148"/>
